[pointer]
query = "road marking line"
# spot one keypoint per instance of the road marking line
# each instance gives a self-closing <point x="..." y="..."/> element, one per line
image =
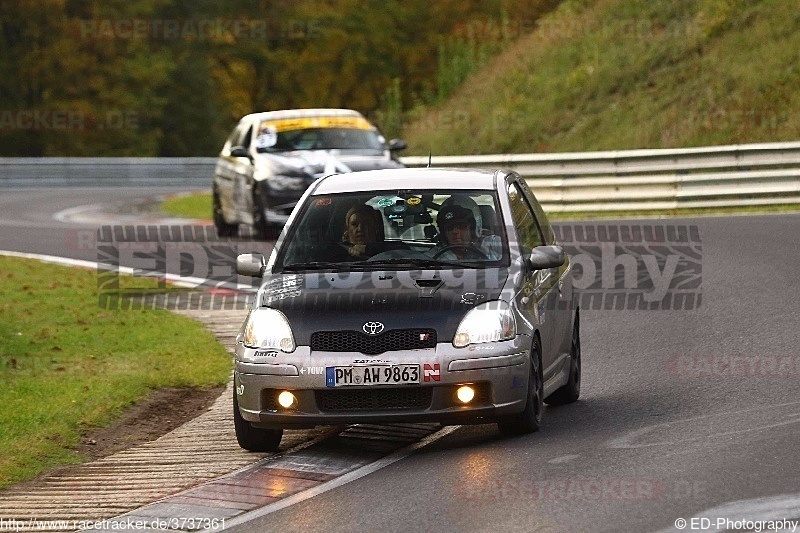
<point x="341" y="480"/>
<point x="174" y="279"/>
<point x="563" y="459"/>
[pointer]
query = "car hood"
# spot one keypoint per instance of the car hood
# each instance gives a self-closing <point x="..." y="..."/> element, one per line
<point x="319" y="301"/>
<point x="316" y="163"/>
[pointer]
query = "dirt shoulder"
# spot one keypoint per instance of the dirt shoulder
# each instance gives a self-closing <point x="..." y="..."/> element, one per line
<point x="163" y="411"/>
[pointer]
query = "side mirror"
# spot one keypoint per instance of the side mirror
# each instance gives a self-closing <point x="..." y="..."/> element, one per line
<point x="240" y="151"/>
<point x="544" y="257"/>
<point x="252" y="265"/>
<point x="397" y="144"/>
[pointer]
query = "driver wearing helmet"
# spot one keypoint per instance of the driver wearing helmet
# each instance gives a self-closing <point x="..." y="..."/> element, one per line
<point x="459" y="239"/>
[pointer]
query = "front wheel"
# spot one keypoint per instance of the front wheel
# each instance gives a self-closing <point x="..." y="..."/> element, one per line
<point x="223" y="228"/>
<point x="254" y="439"/>
<point x="530" y="419"/>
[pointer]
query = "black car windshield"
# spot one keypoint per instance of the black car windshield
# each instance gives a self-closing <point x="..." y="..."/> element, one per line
<point x="396" y="230"/>
<point x="352" y="140"/>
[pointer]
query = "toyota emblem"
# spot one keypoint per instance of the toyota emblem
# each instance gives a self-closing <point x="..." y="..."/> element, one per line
<point x="372" y="328"/>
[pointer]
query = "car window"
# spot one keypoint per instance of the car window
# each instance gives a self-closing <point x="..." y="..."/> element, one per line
<point x="247" y="138"/>
<point x="403" y="228"/>
<point x="233" y="137"/>
<point x="541" y="218"/>
<point x="528" y="230"/>
<point x="323" y="139"/>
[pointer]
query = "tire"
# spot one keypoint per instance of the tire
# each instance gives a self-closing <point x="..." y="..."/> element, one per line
<point x="529" y="420"/>
<point x="264" y="230"/>
<point x="254" y="439"/>
<point x="571" y="390"/>
<point x="223" y="228"/>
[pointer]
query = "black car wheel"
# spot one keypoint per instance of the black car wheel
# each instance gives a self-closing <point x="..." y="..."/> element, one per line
<point x="254" y="439"/>
<point x="530" y="419"/>
<point x="223" y="228"/>
<point x="571" y="390"/>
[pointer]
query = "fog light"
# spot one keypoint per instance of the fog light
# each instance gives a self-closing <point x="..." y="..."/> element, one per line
<point x="465" y="394"/>
<point x="286" y="399"/>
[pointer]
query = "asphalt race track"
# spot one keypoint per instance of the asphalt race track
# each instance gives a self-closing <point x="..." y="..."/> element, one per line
<point x="682" y="411"/>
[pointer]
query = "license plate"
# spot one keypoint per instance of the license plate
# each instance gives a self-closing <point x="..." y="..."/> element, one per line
<point x="341" y="376"/>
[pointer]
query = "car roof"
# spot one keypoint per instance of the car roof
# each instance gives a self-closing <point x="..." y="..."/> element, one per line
<point x="300" y="113"/>
<point x="407" y="178"/>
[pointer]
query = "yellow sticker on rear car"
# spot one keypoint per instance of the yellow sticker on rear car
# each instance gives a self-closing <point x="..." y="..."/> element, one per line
<point x="289" y="124"/>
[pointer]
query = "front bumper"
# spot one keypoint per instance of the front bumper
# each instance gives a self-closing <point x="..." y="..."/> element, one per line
<point x="279" y="202"/>
<point x="498" y="372"/>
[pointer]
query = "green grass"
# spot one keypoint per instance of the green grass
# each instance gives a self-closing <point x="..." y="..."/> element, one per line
<point x="190" y="206"/>
<point x="626" y="74"/>
<point x="67" y="365"/>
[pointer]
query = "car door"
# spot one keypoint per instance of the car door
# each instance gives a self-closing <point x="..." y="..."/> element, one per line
<point x="243" y="178"/>
<point x="538" y="291"/>
<point x="563" y="306"/>
<point x="225" y="176"/>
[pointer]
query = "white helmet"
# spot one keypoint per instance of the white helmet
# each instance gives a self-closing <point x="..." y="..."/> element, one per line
<point x="466" y="201"/>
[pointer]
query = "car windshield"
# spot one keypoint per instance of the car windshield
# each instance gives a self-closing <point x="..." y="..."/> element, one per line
<point x="352" y="134"/>
<point x="396" y="230"/>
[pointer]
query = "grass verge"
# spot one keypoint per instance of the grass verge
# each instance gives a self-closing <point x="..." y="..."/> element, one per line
<point x="190" y="206"/>
<point x="67" y="365"/>
<point x="624" y="74"/>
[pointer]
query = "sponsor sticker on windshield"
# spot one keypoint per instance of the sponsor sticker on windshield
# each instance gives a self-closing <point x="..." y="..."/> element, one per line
<point x="267" y="138"/>
<point x="289" y="124"/>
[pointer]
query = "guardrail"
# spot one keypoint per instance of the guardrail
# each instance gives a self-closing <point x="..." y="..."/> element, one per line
<point x="717" y="176"/>
<point x="195" y="172"/>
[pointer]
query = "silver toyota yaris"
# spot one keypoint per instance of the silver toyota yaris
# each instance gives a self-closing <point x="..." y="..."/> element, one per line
<point x="408" y="295"/>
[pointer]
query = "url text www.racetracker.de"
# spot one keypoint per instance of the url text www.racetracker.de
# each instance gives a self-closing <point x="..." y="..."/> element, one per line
<point x="116" y="524"/>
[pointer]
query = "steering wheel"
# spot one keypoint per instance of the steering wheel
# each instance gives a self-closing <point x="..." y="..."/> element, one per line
<point x="469" y="249"/>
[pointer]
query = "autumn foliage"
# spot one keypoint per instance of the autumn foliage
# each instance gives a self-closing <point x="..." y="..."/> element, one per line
<point x="171" y="77"/>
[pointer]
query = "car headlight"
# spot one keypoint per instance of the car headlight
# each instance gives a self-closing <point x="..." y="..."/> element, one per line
<point x="268" y="328"/>
<point x="287" y="183"/>
<point x="488" y="322"/>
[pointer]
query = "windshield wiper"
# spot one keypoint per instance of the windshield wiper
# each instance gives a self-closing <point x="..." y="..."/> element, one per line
<point x="316" y="265"/>
<point x="418" y="262"/>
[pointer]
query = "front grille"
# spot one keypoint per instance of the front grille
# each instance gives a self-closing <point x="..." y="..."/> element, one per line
<point x="388" y="341"/>
<point x="374" y="399"/>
